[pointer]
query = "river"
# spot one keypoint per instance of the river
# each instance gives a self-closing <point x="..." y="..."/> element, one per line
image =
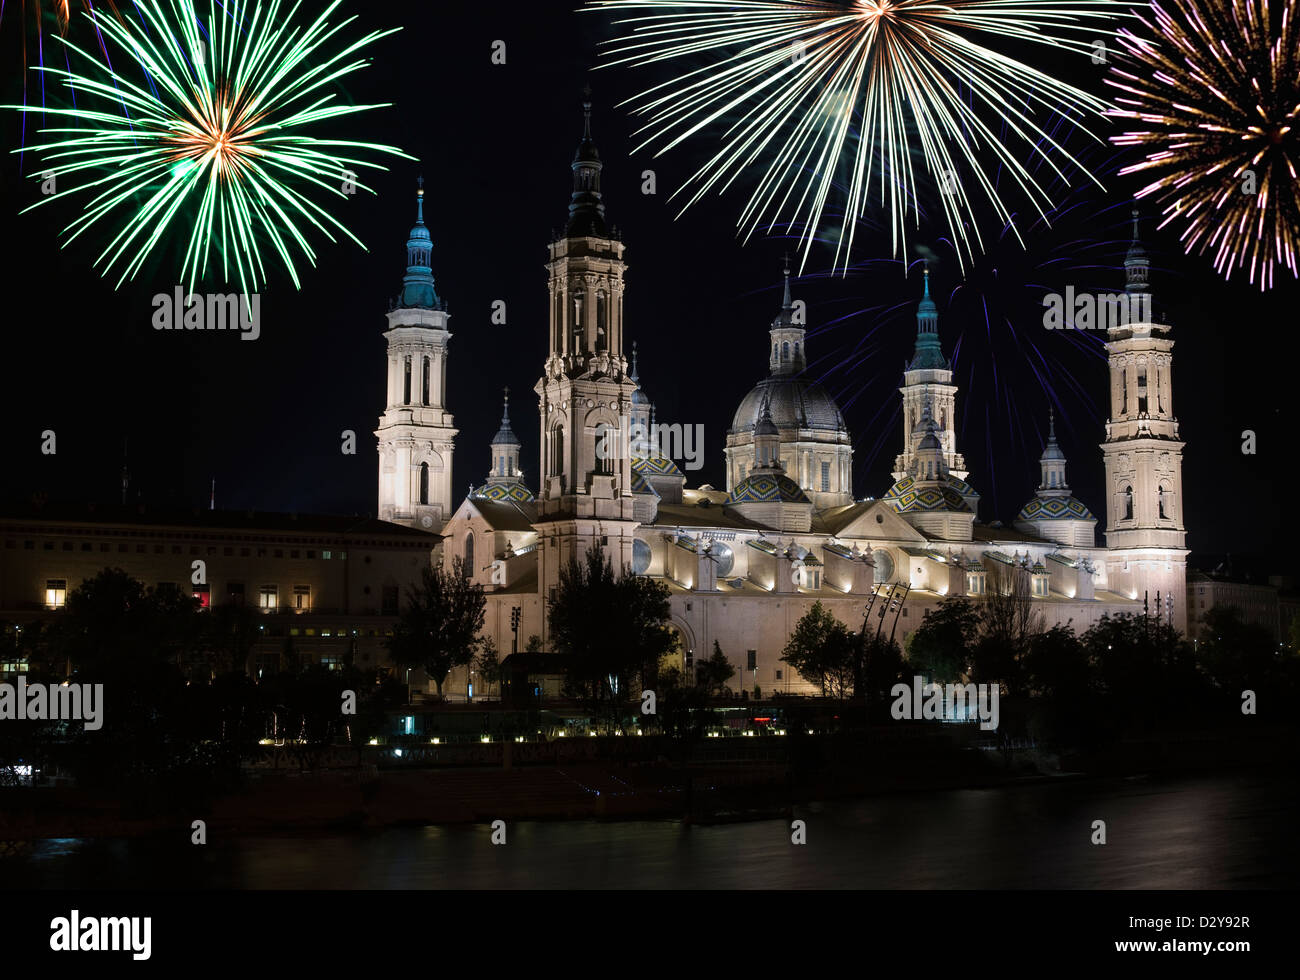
<point x="1205" y="832"/>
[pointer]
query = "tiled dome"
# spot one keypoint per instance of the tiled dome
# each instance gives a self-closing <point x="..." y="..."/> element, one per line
<point x="906" y="497"/>
<point x="1055" y="509"/>
<point x="767" y="487"/>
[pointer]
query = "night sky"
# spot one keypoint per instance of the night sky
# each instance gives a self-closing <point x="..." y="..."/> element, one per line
<point x="494" y="142"/>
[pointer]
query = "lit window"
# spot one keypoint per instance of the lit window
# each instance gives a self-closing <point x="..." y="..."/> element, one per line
<point x="56" y="593"/>
<point x="270" y="598"/>
<point x="302" y="598"/>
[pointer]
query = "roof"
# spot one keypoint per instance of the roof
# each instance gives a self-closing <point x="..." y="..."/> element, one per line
<point x="216" y="520"/>
<point x="1055" y="509"/>
<point x="906" y="497"/>
<point x="794" y="402"/>
<point x="506" y="515"/>
<point x="768" y="488"/>
<point x="503" y="490"/>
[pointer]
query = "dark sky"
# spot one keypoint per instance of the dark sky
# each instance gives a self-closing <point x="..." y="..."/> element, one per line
<point x="494" y="141"/>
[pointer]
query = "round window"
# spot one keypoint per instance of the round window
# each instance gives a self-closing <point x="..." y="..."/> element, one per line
<point x="884" y="565"/>
<point x="725" y="557"/>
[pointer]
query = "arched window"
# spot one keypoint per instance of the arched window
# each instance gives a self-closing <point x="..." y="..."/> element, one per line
<point x="1123" y="391"/>
<point x="406" y="384"/>
<point x="424" y="381"/>
<point x="424" y="483"/>
<point x="469" y="553"/>
<point x="602" y="314"/>
<point x="1128" y="503"/>
<point x="1161" y="497"/>
<point x="775" y="351"/>
<point x="606" y="449"/>
<point x="785" y="351"/>
<point x="557" y="451"/>
<point x="796" y="350"/>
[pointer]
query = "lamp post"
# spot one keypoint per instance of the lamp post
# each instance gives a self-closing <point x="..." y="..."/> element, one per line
<point x="514" y="627"/>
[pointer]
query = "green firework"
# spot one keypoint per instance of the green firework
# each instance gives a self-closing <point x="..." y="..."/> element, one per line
<point x="211" y="138"/>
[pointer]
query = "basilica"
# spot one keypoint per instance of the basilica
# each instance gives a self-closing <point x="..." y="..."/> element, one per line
<point x="745" y="563"/>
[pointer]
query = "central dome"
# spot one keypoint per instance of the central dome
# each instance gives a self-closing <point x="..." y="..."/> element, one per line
<point x="795" y="403"/>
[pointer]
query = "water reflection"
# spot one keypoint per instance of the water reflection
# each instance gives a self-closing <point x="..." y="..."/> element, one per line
<point x="1222" y="832"/>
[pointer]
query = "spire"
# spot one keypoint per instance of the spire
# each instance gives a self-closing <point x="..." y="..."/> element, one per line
<point x="928" y="353"/>
<point x="586" y="207"/>
<point x="1052" y="462"/>
<point x="1136" y="264"/>
<point x="505" y="435"/>
<point x="634" y="375"/>
<point x="767" y="439"/>
<point x="788" y="355"/>
<point x="417" y="284"/>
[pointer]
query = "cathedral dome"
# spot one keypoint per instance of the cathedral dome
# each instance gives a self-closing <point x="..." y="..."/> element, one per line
<point x="906" y="497"/>
<point x="767" y="487"/>
<point x="795" y="403"/>
<point x="503" y="490"/>
<point x="1055" y="509"/>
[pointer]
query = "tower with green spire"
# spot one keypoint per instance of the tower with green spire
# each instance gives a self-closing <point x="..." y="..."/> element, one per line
<point x="927" y="381"/>
<point x="416" y="432"/>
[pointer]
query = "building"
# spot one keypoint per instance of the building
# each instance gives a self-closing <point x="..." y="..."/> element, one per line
<point x="745" y="563"/>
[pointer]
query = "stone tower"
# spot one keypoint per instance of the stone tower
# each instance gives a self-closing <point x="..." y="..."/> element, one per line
<point x="585" y="393"/>
<point x="1143" y="456"/>
<point x="415" y="433"/>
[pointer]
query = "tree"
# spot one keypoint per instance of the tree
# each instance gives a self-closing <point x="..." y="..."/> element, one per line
<point x="940" y="648"/>
<point x="439" y="628"/>
<point x="1008" y="622"/>
<point x="1234" y="654"/>
<point x="534" y="644"/>
<point x="613" y="630"/>
<point x="488" y="662"/>
<point x="824" y="651"/>
<point x="713" y="674"/>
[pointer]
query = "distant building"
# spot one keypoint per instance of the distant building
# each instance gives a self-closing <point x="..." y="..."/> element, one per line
<point x="1260" y="603"/>
<point x="328" y="586"/>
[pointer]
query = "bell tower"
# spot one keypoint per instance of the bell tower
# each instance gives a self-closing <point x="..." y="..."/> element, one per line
<point x="927" y="381"/>
<point x="585" y="393"/>
<point x="415" y="433"/>
<point x="1144" y="456"/>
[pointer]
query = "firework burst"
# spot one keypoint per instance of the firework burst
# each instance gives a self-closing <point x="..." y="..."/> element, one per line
<point x="1214" y="100"/>
<point x="878" y="95"/>
<point x="212" y="138"/>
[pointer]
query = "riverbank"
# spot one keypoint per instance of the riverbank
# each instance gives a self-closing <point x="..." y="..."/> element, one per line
<point x="369" y="798"/>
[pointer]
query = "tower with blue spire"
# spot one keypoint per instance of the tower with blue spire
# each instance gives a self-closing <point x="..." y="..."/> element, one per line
<point x="416" y="432"/>
<point x="927" y="385"/>
<point x="417" y="284"/>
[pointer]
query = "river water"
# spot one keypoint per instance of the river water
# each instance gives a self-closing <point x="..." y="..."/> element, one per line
<point x="1206" y="832"/>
